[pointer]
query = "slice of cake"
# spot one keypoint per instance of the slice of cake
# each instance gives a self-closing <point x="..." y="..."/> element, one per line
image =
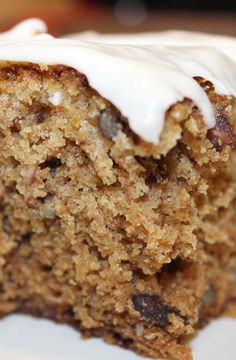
<point x="118" y="183"/>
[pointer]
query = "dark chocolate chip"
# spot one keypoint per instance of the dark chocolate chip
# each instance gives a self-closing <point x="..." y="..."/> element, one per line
<point x="222" y="134"/>
<point x="49" y="195"/>
<point x="47" y="268"/>
<point x="154" y="309"/>
<point x="109" y="124"/>
<point x="26" y="238"/>
<point x="52" y="163"/>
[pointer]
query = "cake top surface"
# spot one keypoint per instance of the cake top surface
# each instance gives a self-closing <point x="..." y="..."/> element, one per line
<point x="141" y="74"/>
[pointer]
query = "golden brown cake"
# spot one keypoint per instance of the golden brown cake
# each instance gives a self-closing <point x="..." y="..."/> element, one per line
<point x="122" y="238"/>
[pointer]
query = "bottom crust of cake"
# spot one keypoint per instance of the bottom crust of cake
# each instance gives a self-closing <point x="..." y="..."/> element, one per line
<point x="153" y="346"/>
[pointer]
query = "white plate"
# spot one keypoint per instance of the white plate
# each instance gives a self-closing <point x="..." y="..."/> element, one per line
<point x="24" y="338"/>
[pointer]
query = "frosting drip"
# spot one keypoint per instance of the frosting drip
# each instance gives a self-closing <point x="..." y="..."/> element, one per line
<point x="142" y="75"/>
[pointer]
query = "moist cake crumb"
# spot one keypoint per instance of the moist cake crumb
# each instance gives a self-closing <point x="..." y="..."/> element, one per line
<point x="120" y="238"/>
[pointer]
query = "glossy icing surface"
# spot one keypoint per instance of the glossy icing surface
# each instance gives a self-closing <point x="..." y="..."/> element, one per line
<point x="142" y="75"/>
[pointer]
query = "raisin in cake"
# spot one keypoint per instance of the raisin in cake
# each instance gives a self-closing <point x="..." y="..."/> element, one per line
<point x="118" y="183"/>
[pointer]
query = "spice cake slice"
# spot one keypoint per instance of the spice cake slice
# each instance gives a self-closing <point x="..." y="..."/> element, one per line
<point x="102" y="228"/>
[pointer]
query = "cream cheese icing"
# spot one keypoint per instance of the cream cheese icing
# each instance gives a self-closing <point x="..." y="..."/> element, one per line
<point x="142" y="75"/>
<point x="25" y="29"/>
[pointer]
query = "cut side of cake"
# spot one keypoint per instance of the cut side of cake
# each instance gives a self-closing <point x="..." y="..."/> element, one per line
<point x="123" y="236"/>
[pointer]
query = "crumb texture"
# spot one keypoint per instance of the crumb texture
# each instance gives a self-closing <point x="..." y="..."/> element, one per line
<point x="122" y="239"/>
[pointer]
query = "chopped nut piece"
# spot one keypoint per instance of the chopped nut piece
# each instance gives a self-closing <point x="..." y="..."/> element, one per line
<point x="109" y="124"/>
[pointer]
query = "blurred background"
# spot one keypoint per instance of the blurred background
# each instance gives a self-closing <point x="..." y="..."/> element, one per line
<point x="66" y="16"/>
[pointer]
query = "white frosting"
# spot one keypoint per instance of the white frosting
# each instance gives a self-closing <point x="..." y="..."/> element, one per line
<point x="143" y="75"/>
<point x="25" y="29"/>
